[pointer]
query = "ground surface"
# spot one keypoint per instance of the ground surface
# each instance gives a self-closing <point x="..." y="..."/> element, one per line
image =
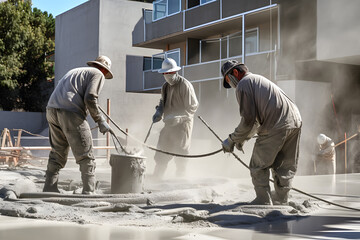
<point x="204" y="208"/>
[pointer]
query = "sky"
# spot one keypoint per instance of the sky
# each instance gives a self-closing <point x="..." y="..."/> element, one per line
<point x="56" y="7"/>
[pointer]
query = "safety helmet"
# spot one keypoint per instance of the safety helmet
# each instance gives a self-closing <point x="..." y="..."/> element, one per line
<point x="321" y="139"/>
<point x="226" y="68"/>
<point x="102" y="61"/>
<point x="169" y="65"/>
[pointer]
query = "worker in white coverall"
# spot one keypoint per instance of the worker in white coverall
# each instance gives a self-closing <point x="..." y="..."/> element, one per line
<point x="177" y="107"/>
<point x="73" y="98"/>
<point x="325" y="162"/>
<point x="267" y="111"/>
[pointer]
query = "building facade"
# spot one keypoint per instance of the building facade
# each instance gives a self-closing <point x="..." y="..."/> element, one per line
<point x="307" y="47"/>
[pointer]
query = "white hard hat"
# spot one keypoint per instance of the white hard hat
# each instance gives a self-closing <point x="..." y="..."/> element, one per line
<point x="102" y="61"/>
<point x="321" y="139"/>
<point x="169" y="65"/>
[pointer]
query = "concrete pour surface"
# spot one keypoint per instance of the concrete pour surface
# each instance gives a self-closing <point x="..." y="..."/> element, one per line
<point x="205" y="208"/>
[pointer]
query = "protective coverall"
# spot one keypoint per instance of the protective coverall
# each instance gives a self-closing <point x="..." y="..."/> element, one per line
<point x="326" y="158"/>
<point x="266" y="110"/>
<point x="178" y="105"/>
<point x="73" y="98"/>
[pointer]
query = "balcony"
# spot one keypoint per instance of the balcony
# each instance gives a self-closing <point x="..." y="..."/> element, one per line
<point x="195" y="22"/>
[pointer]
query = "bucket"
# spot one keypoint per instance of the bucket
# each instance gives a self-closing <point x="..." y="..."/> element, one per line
<point x="127" y="173"/>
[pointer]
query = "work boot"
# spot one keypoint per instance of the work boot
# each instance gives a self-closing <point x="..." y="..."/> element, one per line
<point x="88" y="184"/>
<point x="87" y="170"/>
<point x="51" y="181"/>
<point x="263" y="197"/>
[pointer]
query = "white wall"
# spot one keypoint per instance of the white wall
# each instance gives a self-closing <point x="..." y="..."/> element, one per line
<point x="130" y="110"/>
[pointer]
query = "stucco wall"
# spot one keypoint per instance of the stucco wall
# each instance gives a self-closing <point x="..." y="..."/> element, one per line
<point x="76" y="37"/>
<point x="34" y="122"/>
<point x="129" y="110"/>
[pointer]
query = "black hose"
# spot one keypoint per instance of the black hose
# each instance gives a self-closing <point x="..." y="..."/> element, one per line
<point x="295" y="189"/>
<point x="154" y="148"/>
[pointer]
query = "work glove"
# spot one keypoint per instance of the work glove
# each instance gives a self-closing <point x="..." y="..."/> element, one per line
<point x="228" y="145"/>
<point x="157" y="117"/>
<point x="103" y="126"/>
<point x="159" y="112"/>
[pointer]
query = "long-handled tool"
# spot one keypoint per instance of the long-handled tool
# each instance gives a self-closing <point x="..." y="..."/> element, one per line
<point x="159" y="150"/>
<point x="292" y="188"/>
<point x="147" y="135"/>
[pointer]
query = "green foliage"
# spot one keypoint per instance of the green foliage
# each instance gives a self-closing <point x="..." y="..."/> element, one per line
<point x="26" y="38"/>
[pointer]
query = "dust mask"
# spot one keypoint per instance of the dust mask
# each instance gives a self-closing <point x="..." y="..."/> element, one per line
<point x="233" y="81"/>
<point x="170" y="78"/>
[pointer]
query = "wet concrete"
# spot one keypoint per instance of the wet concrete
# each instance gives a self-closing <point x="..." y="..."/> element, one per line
<point x="328" y="222"/>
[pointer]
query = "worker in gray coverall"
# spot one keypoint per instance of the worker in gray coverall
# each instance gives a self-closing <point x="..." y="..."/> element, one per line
<point x="325" y="161"/>
<point x="177" y="107"/>
<point x="73" y="98"/>
<point x="267" y="111"/>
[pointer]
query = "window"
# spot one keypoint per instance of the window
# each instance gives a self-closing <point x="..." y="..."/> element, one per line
<point x="206" y="1"/>
<point x="159" y="9"/>
<point x="194" y="3"/>
<point x="147" y="63"/>
<point x="163" y="8"/>
<point x="174" y="55"/>
<point x="157" y="59"/>
<point x="251" y="41"/>
<point x="210" y="50"/>
<point x="227" y="47"/>
<point x="235" y="44"/>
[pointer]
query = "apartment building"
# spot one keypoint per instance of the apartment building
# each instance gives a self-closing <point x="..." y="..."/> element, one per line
<point x="307" y="47"/>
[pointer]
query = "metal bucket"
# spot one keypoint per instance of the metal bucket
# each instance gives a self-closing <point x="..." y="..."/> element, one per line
<point x="127" y="173"/>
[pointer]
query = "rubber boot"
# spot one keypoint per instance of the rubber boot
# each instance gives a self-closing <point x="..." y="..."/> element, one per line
<point x="51" y="182"/>
<point x="263" y="196"/>
<point x="280" y="196"/>
<point x="87" y="170"/>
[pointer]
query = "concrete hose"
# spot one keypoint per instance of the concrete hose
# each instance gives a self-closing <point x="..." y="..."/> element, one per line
<point x="295" y="189"/>
<point x="151" y="147"/>
<point x="136" y="199"/>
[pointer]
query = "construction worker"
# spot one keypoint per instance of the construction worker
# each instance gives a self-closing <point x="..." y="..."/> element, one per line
<point x="73" y="98"/>
<point x="267" y="111"/>
<point x="325" y="161"/>
<point x="178" y="104"/>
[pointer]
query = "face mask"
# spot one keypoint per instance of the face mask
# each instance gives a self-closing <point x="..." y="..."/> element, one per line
<point x="233" y="81"/>
<point x="170" y="78"/>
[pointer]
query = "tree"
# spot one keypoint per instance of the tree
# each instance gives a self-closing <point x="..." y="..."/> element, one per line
<point x="26" y="38"/>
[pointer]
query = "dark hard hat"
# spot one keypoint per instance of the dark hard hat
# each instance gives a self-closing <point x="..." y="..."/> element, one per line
<point x="226" y="68"/>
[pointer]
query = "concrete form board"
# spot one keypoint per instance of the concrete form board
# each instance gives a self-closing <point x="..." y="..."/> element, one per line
<point x="338" y="34"/>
